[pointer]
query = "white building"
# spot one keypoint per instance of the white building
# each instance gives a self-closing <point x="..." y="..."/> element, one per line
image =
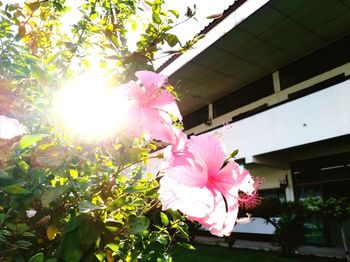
<point x="278" y="72"/>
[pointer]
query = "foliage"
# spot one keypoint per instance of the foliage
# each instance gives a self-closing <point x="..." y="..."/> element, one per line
<point x="268" y="209"/>
<point x="62" y="200"/>
<point x="337" y="209"/>
<point x="288" y="218"/>
<point x="290" y="227"/>
<point x="332" y="209"/>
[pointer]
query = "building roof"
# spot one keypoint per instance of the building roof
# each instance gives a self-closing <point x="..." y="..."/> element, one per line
<point x="254" y="44"/>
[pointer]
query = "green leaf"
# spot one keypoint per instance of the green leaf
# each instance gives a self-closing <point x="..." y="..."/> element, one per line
<point x="189" y="12"/>
<point x="28" y="140"/>
<point x="174" y="12"/>
<point x="18" y="228"/>
<point x="71" y="248"/>
<point x="2" y="217"/>
<point x="214" y="16"/>
<point x="159" y="237"/>
<point x="136" y="189"/>
<point x="138" y="223"/>
<point x="6" y="179"/>
<point x="133" y="26"/>
<point x="52" y="194"/>
<point x="73" y="173"/>
<point x="23" y="166"/>
<point x="172" y="40"/>
<point x="5" y="232"/>
<point x="28" y="234"/>
<point x="89" y="231"/>
<point x="113" y="247"/>
<point x="2" y="238"/>
<point x="21" y="32"/>
<point x="234" y="153"/>
<point x="34" y="6"/>
<point x="16" y="190"/>
<point x="52" y="58"/>
<point x="156" y="18"/>
<point x="52" y="260"/>
<point x="37" y="258"/>
<point x="31" y="58"/>
<point x="164" y="218"/>
<point x="4" y="175"/>
<point x="23" y="243"/>
<point x="93" y="16"/>
<point x="85" y="207"/>
<point x="115" y="204"/>
<point x="186" y="245"/>
<point x="165" y="258"/>
<point x="73" y="224"/>
<point x="175" y="214"/>
<point x="101" y="256"/>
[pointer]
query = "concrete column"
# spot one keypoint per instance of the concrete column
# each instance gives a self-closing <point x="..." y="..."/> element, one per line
<point x="211" y="112"/>
<point x="276" y="81"/>
<point x="289" y="189"/>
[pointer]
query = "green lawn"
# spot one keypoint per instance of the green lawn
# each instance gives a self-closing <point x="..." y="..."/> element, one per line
<point x="205" y="253"/>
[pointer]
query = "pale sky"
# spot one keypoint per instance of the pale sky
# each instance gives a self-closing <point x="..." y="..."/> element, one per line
<point x="184" y="31"/>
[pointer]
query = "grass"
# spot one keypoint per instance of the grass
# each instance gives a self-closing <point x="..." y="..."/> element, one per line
<point x="204" y="253"/>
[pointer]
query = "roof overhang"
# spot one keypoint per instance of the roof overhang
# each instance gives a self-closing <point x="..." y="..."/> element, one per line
<point x="254" y="40"/>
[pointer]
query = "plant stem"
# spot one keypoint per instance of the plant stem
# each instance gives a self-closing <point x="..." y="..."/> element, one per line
<point x="139" y="161"/>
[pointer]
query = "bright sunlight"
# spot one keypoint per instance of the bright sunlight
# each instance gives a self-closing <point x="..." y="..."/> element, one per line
<point x="89" y="109"/>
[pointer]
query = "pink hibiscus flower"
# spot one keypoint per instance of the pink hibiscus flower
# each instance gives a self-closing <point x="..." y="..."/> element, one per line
<point x="10" y="128"/>
<point x="176" y="153"/>
<point x="151" y="107"/>
<point x="205" y="189"/>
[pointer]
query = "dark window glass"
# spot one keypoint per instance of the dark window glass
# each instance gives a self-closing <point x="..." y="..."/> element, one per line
<point x="315" y="63"/>
<point x="319" y="86"/>
<point x="333" y="172"/>
<point x="328" y="168"/>
<point x="275" y="193"/>
<point x="196" y="118"/>
<point x="308" y="191"/>
<point x="243" y="96"/>
<point x="315" y="232"/>
<point x="336" y="189"/>
<point x="323" y="178"/>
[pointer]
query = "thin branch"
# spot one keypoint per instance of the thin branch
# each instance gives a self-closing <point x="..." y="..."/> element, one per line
<point x="137" y="162"/>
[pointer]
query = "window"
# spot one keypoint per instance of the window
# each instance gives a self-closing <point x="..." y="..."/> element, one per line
<point x="196" y="118"/>
<point x="244" y="96"/>
<point x="322" y="177"/>
<point x="274" y="193"/>
<point x="315" y="63"/>
<point x="322" y="170"/>
<point x="319" y="86"/>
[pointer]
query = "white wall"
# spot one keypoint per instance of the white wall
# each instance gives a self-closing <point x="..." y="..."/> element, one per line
<point x="316" y="117"/>
<point x="256" y="226"/>
<point x="271" y="175"/>
<point x="277" y="97"/>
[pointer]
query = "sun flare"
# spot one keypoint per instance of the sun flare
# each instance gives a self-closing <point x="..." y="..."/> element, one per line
<point x="89" y="109"/>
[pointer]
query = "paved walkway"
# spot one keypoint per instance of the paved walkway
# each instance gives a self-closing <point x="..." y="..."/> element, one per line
<point x="304" y="250"/>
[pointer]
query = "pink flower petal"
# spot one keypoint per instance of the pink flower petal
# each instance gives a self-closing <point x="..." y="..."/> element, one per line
<point x="208" y="152"/>
<point x="150" y="79"/>
<point x="10" y="128"/>
<point x="151" y="107"/>
<point x="166" y="102"/>
<point x="187" y="175"/>
<point x="195" y="202"/>
<point x="196" y="183"/>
